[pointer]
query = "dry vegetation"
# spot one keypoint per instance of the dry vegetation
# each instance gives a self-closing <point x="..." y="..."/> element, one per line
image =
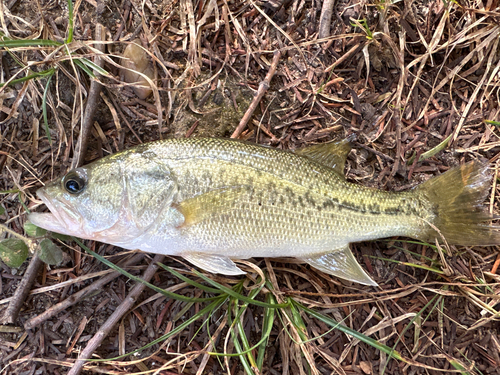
<point x="416" y="82"/>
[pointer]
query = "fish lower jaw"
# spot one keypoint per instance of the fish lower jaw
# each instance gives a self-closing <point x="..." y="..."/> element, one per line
<point x="51" y="222"/>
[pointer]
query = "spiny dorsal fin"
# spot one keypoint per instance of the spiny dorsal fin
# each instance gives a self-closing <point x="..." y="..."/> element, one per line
<point x="341" y="263"/>
<point x="214" y="263"/>
<point x="332" y="154"/>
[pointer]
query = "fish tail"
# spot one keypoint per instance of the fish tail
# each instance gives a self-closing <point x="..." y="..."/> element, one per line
<point x="457" y="199"/>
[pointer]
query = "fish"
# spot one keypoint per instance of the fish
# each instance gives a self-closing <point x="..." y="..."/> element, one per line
<point x="212" y="201"/>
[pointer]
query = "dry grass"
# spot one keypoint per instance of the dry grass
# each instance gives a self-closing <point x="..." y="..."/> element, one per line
<point x="417" y="82"/>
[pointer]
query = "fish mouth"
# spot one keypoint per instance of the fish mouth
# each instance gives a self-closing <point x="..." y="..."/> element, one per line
<point x="60" y="219"/>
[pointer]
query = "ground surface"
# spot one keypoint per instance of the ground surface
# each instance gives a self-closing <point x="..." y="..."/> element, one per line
<point x="416" y="82"/>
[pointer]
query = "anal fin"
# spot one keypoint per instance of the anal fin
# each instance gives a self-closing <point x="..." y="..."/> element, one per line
<point x="341" y="263"/>
<point x="214" y="263"/>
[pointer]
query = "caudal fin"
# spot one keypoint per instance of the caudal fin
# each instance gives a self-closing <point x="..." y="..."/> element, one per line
<point x="457" y="197"/>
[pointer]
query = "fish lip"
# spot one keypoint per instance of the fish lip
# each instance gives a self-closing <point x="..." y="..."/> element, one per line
<point x="60" y="218"/>
<point x="52" y="208"/>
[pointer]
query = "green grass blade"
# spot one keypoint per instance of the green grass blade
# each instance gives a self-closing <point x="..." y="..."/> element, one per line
<point x="262" y="341"/>
<point x="93" y="66"/>
<point x="189" y="281"/>
<point x="83" y="67"/>
<point x="9" y="191"/>
<point x="138" y="279"/>
<point x="362" y="24"/>
<point x="246" y="344"/>
<point x="414" y="319"/>
<point x="69" y="39"/>
<point x="458" y="366"/>
<point x="238" y="317"/>
<point x="349" y="331"/>
<point x="415" y="242"/>
<point x="211" y="307"/>
<point x="253" y="293"/>
<point x="182" y="311"/>
<point x="414" y="265"/>
<point x="266" y="331"/>
<point x="14" y="43"/>
<point x="21" y="200"/>
<point x="436" y="149"/>
<point x="238" y="296"/>
<point x="491" y="122"/>
<point x="298" y="322"/>
<point x="431" y="152"/>
<point x="240" y="353"/>
<point x="267" y="326"/>
<point x="416" y="255"/>
<point x="42" y="74"/>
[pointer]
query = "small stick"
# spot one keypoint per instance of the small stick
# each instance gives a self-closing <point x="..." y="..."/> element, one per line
<point x="263" y="87"/>
<point x="126" y="14"/>
<point x="124" y="118"/>
<point x="121" y="310"/>
<point x="399" y="146"/>
<point x="90" y="108"/>
<point x="378" y="153"/>
<point x="496" y="264"/>
<point x="77" y="297"/>
<point x="345" y="56"/>
<point x="12" y="311"/>
<point x="325" y="19"/>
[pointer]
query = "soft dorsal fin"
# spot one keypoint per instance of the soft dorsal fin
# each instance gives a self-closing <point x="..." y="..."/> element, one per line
<point x="332" y="154"/>
<point x="214" y="263"/>
<point x="341" y="263"/>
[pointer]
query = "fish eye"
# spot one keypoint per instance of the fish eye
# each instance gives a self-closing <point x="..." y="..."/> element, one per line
<point x="74" y="182"/>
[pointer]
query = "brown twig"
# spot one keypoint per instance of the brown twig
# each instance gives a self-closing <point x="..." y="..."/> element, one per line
<point x="397" y="159"/>
<point x="263" y="87"/>
<point x="192" y="129"/>
<point x="115" y="317"/>
<point x="91" y="106"/>
<point x="77" y="297"/>
<point x="126" y="14"/>
<point x="378" y="153"/>
<point x="345" y="56"/>
<point x="124" y="118"/>
<point x="325" y="19"/>
<point x="12" y="311"/>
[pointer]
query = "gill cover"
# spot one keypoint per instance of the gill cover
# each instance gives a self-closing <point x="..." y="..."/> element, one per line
<point x="149" y="187"/>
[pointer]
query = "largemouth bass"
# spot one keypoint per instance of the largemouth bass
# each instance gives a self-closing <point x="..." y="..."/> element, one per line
<point x="213" y="200"/>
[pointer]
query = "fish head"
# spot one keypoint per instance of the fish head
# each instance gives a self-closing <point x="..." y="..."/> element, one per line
<point x="114" y="200"/>
<point x="83" y="203"/>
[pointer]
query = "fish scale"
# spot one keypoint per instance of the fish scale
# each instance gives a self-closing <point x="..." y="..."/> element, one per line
<point x="213" y="200"/>
<point x="293" y="179"/>
<point x="305" y="173"/>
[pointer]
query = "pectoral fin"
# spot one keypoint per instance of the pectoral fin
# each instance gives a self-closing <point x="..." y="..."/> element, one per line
<point x="215" y="202"/>
<point x="341" y="263"/>
<point x="332" y="154"/>
<point x="214" y="263"/>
